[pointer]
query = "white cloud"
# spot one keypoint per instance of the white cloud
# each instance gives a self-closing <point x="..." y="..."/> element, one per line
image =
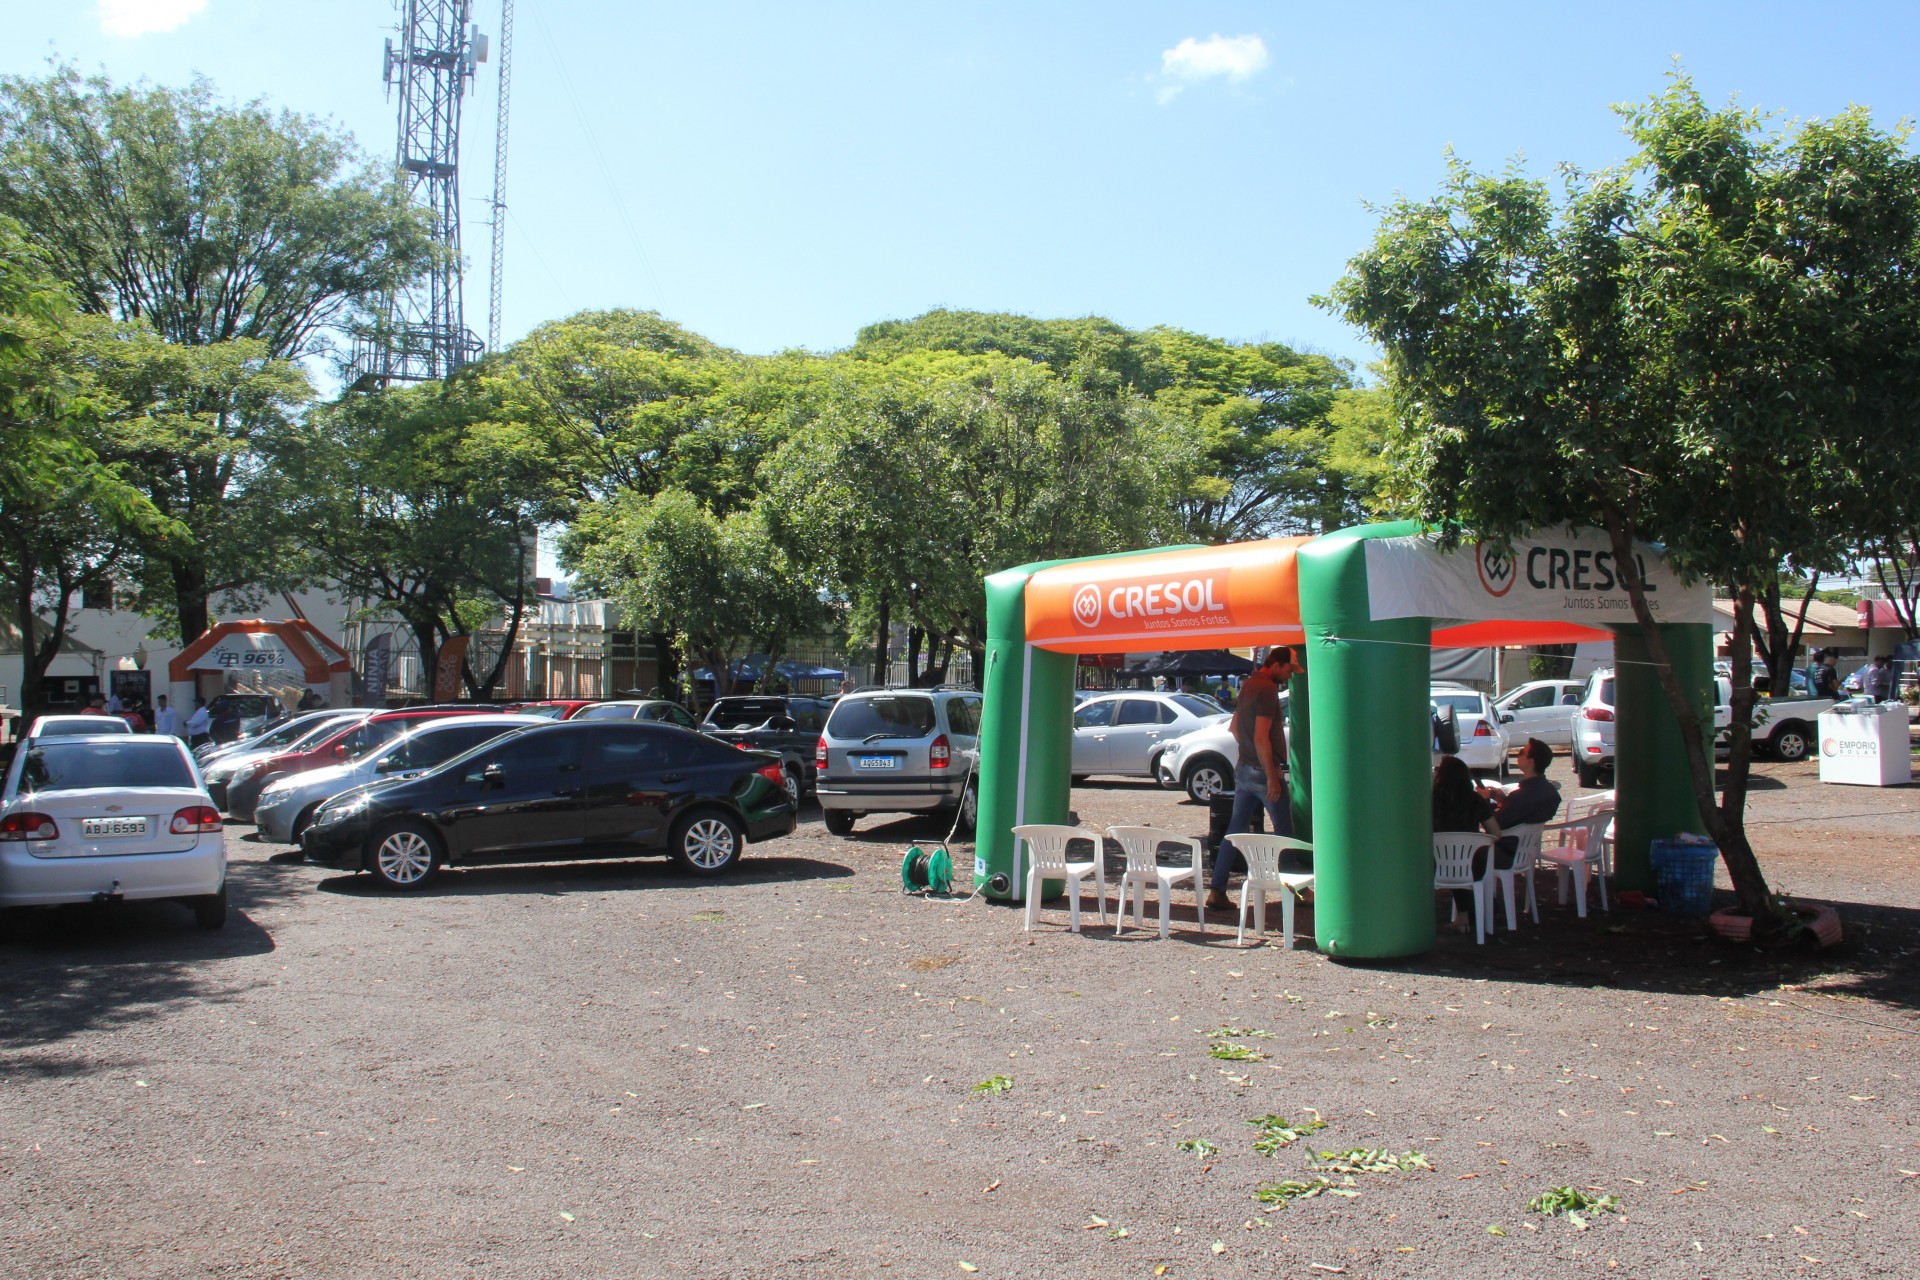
<point x="1232" y="58"/>
<point x="132" y="18"/>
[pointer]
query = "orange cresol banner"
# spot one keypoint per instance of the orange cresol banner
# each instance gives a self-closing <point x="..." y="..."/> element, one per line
<point x="446" y="669"/>
<point x="1198" y="598"/>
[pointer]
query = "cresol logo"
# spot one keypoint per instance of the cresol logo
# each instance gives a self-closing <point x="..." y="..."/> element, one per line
<point x="1086" y="606"/>
<point x="1495" y="567"/>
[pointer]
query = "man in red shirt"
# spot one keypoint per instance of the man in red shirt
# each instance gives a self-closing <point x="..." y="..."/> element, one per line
<point x="1260" y="729"/>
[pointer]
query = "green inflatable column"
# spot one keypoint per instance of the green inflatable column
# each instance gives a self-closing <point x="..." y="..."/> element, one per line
<point x="1026" y="736"/>
<point x="1650" y="773"/>
<point x="1300" y="755"/>
<point x="1370" y="736"/>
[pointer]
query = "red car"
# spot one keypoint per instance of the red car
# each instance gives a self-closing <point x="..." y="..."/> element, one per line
<point x="554" y="709"/>
<point x="354" y="736"/>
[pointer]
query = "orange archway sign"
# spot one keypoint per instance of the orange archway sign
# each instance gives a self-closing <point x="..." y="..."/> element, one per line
<point x="1194" y="598"/>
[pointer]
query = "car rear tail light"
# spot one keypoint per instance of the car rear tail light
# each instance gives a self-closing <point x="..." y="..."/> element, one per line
<point x="28" y="826"/>
<point x="194" y="818"/>
<point x="773" y="773"/>
<point x="1598" y="713"/>
<point x="1482" y="729"/>
<point x="940" y="754"/>
<point x="820" y="753"/>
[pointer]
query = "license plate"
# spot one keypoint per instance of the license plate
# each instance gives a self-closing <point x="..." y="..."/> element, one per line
<point x="877" y="762"/>
<point x="96" y="828"/>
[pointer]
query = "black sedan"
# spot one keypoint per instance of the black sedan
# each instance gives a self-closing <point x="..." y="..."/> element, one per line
<point x="567" y="790"/>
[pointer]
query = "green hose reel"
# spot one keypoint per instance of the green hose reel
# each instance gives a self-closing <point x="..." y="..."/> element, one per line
<point x="923" y="872"/>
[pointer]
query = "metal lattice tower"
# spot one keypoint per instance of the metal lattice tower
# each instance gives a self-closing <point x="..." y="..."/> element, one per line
<point x="500" y="178"/>
<point x="423" y="333"/>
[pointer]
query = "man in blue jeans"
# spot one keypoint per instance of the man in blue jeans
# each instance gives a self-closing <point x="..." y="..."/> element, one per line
<point x="1260" y="732"/>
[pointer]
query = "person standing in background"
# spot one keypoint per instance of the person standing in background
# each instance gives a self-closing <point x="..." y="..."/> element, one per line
<point x="199" y="724"/>
<point x="165" y="719"/>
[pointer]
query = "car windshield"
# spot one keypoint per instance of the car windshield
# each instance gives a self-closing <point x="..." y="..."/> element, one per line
<point x="744" y="713"/>
<point x="606" y="711"/>
<point x="74" y="766"/>
<point x="1463" y="704"/>
<point x="546" y="711"/>
<point x="900" y="717"/>
<point x="1198" y="704"/>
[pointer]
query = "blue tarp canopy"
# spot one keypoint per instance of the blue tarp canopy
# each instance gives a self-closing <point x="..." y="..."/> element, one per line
<point x="754" y="667"/>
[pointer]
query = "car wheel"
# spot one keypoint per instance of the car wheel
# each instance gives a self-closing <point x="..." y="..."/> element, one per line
<point x="1080" y="779"/>
<point x="210" y="910"/>
<point x="839" y="821"/>
<point x="404" y="856"/>
<point x="1588" y="774"/>
<point x="1506" y="766"/>
<point x="1207" y="779"/>
<point x="1789" y="743"/>
<point x="707" y="842"/>
<point x="790" y="779"/>
<point x="969" y="808"/>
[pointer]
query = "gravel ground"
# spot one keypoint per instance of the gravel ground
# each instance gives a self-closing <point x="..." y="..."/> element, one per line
<point x="612" y="1070"/>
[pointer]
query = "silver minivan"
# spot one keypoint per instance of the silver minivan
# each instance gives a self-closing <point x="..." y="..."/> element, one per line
<point x="898" y="751"/>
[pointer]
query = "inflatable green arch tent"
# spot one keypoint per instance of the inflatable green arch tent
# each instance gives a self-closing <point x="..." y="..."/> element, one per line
<point x="1367" y="604"/>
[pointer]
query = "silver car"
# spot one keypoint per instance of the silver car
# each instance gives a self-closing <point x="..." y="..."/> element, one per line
<point x="289" y="803"/>
<point x="898" y="751"/>
<point x="1123" y="733"/>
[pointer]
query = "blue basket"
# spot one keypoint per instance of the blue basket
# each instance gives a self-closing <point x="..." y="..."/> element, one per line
<point x="1683" y="876"/>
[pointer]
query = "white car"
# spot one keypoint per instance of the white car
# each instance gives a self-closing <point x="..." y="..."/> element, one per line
<point x="83" y="726"/>
<point x="1483" y="739"/>
<point x="1542" y="709"/>
<point x="1121" y="733"/>
<point x="288" y="804"/>
<point x="1593" y="725"/>
<point x="109" y="817"/>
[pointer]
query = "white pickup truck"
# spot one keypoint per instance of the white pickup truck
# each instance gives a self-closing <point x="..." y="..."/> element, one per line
<point x="1784" y="728"/>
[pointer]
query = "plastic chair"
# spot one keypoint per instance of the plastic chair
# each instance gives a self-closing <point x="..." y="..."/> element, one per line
<point x="1577" y="849"/>
<point x="1506" y="879"/>
<point x="1453" y="853"/>
<point x="1585" y="807"/>
<point x="1047" y="860"/>
<point x="1142" y="847"/>
<point x="1264" y="876"/>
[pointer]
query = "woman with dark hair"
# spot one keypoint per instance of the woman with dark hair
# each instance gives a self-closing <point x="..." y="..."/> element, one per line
<point x="1457" y="806"/>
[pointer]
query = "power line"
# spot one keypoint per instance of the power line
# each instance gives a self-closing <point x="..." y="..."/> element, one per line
<point x="606" y="170"/>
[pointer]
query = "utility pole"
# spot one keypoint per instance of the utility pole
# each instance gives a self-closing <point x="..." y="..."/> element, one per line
<point x="422" y="334"/>
<point x="500" y="177"/>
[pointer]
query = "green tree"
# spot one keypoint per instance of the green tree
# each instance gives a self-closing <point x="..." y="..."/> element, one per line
<point x="423" y="500"/>
<point x="66" y="516"/>
<point x="1700" y="348"/>
<point x="210" y="223"/>
<point x="720" y="585"/>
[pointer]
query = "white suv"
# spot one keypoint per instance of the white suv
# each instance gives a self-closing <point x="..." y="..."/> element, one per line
<point x="898" y="751"/>
<point x="1593" y="724"/>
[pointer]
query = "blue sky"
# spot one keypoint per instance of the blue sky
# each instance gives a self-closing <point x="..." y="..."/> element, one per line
<point x="779" y="175"/>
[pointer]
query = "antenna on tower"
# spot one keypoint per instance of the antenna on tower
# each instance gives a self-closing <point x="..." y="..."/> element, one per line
<point x="422" y="332"/>
<point x="500" y="177"/>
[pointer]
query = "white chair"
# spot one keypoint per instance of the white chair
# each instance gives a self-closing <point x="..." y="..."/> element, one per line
<point x="1047" y="860"/>
<point x="1585" y="807"/>
<point x="1142" y="847"/>
<point x="1264" y="876"/>
<point x="1506" y="879"/>
<point x="1577" y="849"/>
<point x="1453" y="853"/>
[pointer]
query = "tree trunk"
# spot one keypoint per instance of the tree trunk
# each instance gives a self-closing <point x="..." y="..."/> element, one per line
<point x="1725" y="823"/>
<point x="881" y="644"/>
<point x="190" y="599"/>
<point x="1779" y="641"/>
<point x="33" y="661"/>
<point x="1551" y="661"/>
<point x="666" y="662"/>
<point x="913" y="657"/>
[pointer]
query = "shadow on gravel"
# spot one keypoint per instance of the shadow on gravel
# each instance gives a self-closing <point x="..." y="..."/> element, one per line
<point x="1650" y="952"/>
<point x="65" y="970"/>
<point x="589" y="877"/>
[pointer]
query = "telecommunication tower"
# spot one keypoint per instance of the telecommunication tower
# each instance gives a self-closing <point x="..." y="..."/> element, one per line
<point x="422" y="334"/>
<point x="499" y="201"/>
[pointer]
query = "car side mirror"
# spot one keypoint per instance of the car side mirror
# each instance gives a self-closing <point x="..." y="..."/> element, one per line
<point x="1506" y="717"/>
<point x="493" y="776"/>
<point x="1570" y="700"/>
<point x="340" y="752"/>
<point x="387" y="764"/>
